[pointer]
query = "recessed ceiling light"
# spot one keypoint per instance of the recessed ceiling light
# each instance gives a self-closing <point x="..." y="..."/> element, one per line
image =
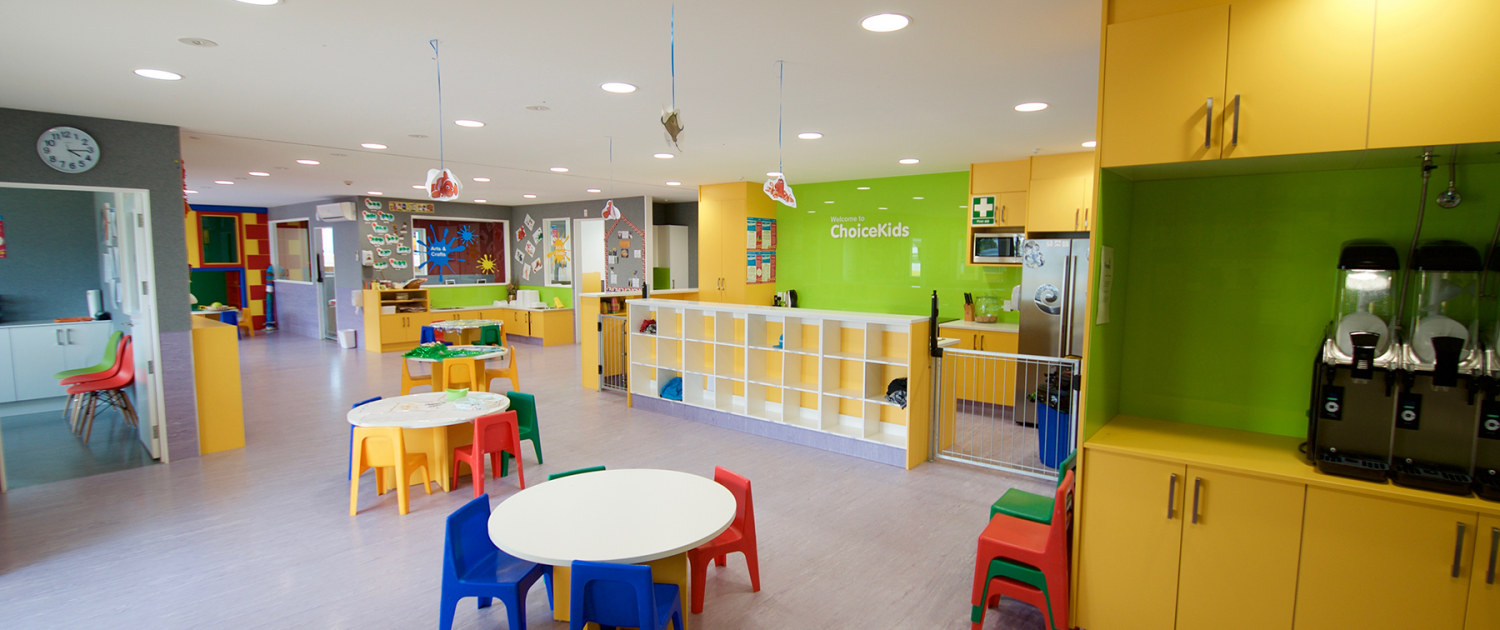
<point x="308" y="162"/>
<point x="909" y="160"/>
<point x="559" y="169"/>
<point x="919" y="198"/>
<point x="663" y="156"/>
<point x="262" y="3"/>
<point x="885" y="22"/>
<point x="617" y="88"/>
<point x="191" y="192"/>
<point x="418" y="186"/>
<point x="538" y="108"/>
<point x="1031" y="107"/>
<point x="158" y="74"/>
<point x="468" y="123"/>
<point x="674" y="183"/>
<point x="594" y="190"/>
<point x="809" y="135"/>
<point x="481" y="179"/>
<point x="224" y="182"/>
<point x="373" y="145"/>
<point x="774" y="174"/>
<point x="260" y="174"/>
<point x="374" y="192"/>
<point x="481" y="201"/>
<point x="529" y="196"/>
<point x="1091" y="144"/>
<point x="198" y="42"/>
<point x="863" y="188"/>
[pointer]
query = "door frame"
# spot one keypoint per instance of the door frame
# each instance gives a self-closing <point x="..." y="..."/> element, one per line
<point x="578" y="274"/>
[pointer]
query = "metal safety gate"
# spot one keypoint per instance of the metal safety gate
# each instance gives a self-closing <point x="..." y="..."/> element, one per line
<point x="1012" y="412"/>
<point x="614" y="359"/>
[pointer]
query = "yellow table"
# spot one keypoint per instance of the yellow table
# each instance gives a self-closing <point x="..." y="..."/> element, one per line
<point x="429" y="424"/>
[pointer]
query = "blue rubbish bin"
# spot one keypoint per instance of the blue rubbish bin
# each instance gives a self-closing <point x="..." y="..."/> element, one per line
<point x="1054" y="435"/>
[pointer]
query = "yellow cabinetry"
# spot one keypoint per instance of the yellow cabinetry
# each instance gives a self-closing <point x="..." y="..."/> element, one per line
<point x="1369" y="562"/>
<point x="1484" y="595"/>
<point x="1132" y="511"/>
<point x="999" y="177"/>
<point x="1436" y="75"/>
<point x="1011" y="209"/>
<point x="981" y="380"/>
<point x="1062" y="193"/>
<point x="722" y="211"/>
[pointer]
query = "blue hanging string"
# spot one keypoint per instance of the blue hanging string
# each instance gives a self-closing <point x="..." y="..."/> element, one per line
<point x="780" y="91"/>
<point x="436" y="58"/>
<point x="673" y="32"/>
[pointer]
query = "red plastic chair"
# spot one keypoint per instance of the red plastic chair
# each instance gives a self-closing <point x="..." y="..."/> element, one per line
<point x="1044" y="546"/>
<point x="70" y="410"/>
<point x="493" y="434"/>
<point x="111" y="390"/>
<point x="740" y="537"/>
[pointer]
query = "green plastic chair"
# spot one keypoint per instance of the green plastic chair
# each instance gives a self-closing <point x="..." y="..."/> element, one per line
<point x="1020" y="573"/>
<point x="525" y="407"/>
<point x="1025" y="505"/>
<point x="570" y="473"/>
<point x="489" y="336"/>
<point x="110" y="348"/>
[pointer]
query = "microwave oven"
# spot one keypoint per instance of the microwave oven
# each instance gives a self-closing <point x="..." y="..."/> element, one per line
<point x="997" y="247"/>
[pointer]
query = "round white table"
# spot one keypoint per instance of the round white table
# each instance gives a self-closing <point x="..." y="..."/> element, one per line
<point x="463" y="326"/>
<point x="430" y="423"/>
<point x="632" y="516"/>
<point x="476" y="364"/>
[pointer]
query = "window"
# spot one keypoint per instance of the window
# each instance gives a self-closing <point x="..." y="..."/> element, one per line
<point x="290" y="250"/>
<point x="327" y="249"/>
<point x="220" y="239"/>
<point x="481" y="249"/>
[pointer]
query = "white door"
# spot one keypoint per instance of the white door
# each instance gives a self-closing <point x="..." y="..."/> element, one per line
<point x="588" y="253"/>
<point x="138" y="275"/>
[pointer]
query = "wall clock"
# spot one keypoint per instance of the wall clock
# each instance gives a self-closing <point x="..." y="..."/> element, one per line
<point x="68" y="149"/>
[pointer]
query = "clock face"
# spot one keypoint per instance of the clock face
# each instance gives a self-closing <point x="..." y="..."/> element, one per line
<point x="68" y="149"/>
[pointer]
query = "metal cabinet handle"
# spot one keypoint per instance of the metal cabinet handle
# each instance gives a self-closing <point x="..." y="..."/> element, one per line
<point x="1489" y="576"/>
<point x="1208" y="125"/>
<point x="1234" y="138"/>
<point x="1458" y="551"/>
<point x="1197" y="486"/>
<point x="1075" y="217"/>
<point x="59" y="336"/>
<point x="1172" y="497"/>
<point x="1002" y="214"/>
<point x="70" y="336"/>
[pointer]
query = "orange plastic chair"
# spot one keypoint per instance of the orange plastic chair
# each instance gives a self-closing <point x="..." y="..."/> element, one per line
<point x="453" y="366"/>
<point x="408" y="381"/>
<point x="509" y="371"/>
<point x="740" y="537"/>
<point x="381" y="448"/>
<point x="112" y="391"/>
<point x="493" y="434"/>
<point x="1038" y="545"/>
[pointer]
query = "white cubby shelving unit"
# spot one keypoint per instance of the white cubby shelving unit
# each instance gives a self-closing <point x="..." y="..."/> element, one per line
<point x="821" y="370"/>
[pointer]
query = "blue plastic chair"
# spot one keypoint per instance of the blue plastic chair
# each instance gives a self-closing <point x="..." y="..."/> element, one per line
<point x="349" y="465"/>
<point x="474" y="567"/>
<point x="616" y="595"/>
<point x="233" y="319"/>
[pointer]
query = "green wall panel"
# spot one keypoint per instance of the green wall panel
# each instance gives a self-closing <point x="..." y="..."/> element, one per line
<point x="485" y="295"/>
<point x="209" y="287"/>
<point x="1106" y="348"/>
<point x="884" y="274"/>
<point x="1231" y="283"/>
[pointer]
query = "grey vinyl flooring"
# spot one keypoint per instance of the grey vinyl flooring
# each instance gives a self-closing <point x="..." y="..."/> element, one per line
<point x="261" y="537"/>
<point x="41" y="448"/>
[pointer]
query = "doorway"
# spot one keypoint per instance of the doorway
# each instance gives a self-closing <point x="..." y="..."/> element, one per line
<point x="588" y="251"/>
<point x="328" y="318"/>
<point x="99" y="239"/>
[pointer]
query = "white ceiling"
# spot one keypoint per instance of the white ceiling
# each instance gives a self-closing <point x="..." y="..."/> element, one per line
<point x="315" y="78"/>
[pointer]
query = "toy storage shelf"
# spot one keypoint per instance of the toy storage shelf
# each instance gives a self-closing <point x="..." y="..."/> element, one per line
<point x="821" y="370"/>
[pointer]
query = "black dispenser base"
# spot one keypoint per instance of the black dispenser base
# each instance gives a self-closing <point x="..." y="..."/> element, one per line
<point x="1487" y="484"/>
<point x="1351" y="465"/>
<point x="1432" y="477"/>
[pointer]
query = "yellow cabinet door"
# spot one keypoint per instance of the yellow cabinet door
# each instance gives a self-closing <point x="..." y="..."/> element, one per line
<point x="710" y="260"/>
<point x="1436" y="73"/>
<point x="1012" y="210"/>
<point x="1240" y="541"/>
<point x="731" y="251"/>
<point x="1484" y="595"/>
<point x="998" y="177"/>
<point x="1056" y="205"/>
<point x="1301" y="72"/>
<point x="1159" y="75"/>
<point x="1369" y="562"/>
<point x="392" y="329"/>
<point x="1128" y="551"/>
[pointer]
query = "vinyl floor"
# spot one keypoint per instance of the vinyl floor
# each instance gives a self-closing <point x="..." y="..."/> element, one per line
<point x="41" y="448"/>
<point x="261" y="537"/>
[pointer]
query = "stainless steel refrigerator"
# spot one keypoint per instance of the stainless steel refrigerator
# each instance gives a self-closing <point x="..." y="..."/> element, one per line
<point x="1053" y="296"/>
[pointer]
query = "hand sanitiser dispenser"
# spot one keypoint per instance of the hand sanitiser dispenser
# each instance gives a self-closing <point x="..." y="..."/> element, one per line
<point x="1355" y="376"/>
<point x="1437" y="409"/>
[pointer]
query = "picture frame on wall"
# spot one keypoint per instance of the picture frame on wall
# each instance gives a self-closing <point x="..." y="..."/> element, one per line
<point x="557" y="247"/>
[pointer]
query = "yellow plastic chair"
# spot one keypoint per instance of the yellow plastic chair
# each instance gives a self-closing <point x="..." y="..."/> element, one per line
<point x="509" y="371"/>
<point x="408" y="381"/>
<point x="377" y="447"/>
<point x="465" y="365"/>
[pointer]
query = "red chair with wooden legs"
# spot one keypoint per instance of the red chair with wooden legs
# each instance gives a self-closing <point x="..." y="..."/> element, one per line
<point x="74" y="407"/>
<point x="1035" y="546"/>
<point x="740" y="537"/>
<point x="112" y="391"/>
<point x="493" y="434"/>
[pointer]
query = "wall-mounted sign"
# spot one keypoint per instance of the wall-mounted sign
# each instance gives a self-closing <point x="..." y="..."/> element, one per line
<point x="760" y="233"/>
<point x="854" y="227"/>
<point x="760" y="267"/>
<point x="982" y="211"/>
<point x="412" y="206"/>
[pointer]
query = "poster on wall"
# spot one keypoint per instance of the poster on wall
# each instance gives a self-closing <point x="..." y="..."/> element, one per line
<point x="558" y="246"/>
<point x="760" y="267"/>
<point x="760" y="233"/>
<point x="2" y="237"/>
<point x="412" y="206"/>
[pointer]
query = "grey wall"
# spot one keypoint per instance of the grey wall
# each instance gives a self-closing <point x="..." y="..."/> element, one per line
<point x="681" y="214"/>
<point x="632" y="208"/>
<point x="52" y="253"/>
<point x="297" y="308"/>
<point x="142" y="156"/>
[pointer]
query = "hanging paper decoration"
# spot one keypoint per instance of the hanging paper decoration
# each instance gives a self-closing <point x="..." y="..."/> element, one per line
<point x="442" y="184"/>
<point x="380" y="229"/>
<point x="530" y="248"/>
<point x="375" y="240"/>
<point x="381" y="264"/>
<point x="671" y="119"/>
<point x="402" y="249"/>
<point x="610" y="211"/>
<point x="520" y="256"/>
<point x="536" y="235"/>
<point x="777" y="189"/>
<point x="530" y="223"/>
<point x="536" y="266"/>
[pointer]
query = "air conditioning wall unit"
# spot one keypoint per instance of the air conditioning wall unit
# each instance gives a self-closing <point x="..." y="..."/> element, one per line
<point x="330" y="212"/>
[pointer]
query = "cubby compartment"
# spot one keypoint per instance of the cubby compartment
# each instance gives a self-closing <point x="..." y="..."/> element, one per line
<point x="800" y="408"/>
<point x="643" y="349"/>
<point x="697" y="325"/>
<point x="728" y="329"/>
<point x="669" y="353"/>
<point x="878" y="378"/>
<point x="762" y="331"/>
<point x="698" y="357"/>
<point x="729" y="361"/>
<point x="668" y="322"/>
<point x="801" y="335"/>
<point x="698" y="389"/>
<point x="637" y="316"/>
<point x="764" y="402"/>
<point x="765" y="366"/>
<point x="643" y="380"/>
<point x="885" y="343"/>
<point x="729" y="395"/>
<point x="800" y="372"/>
<point x="844" y="378"/>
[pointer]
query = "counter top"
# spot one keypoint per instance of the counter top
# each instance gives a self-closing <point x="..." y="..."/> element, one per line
<point x="610" y="294"/>
<point x="1258" y="454"/>
<point x="782" y="311"/>
<point x="202" y="323"/>
<point x="48" y="322"/>
<point x="459" y="309"/>
<point x="995" y="327"/>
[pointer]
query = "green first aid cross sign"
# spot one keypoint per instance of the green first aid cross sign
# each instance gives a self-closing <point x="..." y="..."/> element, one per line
<point x="982" y="211"/>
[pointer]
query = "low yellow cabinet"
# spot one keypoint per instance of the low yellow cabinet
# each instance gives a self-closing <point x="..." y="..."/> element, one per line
<point x="1484" y="595"/>
<point x="1172" y="545"/>
<point x="981" y="380"/>
<point x="1369" y="562"/>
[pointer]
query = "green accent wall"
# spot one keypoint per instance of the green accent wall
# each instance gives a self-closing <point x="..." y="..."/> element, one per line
<point x="208" y="287"/>
<point x="547" y="293"/>
<point x="880" y="274"/>
<point x="484" y="295"/>
<point x="1106" y="346"/>
<point x="1230" y="284"/>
